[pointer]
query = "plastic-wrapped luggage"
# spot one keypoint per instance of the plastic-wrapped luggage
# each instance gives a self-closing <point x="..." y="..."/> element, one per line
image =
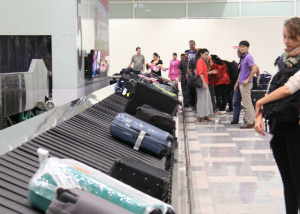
<point x="79" y="201"/>
<point x="141" y="135"/>
<point x="164" y="90"/>
<point x="156" y="118"/>
<point x="68" y="173"/>
<point x="142" y="176"/>
<point x="145" y="95"/>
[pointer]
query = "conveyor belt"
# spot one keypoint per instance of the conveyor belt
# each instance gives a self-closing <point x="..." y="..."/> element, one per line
<point x="85" y="138"/>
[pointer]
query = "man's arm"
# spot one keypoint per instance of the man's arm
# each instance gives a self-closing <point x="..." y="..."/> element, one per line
<point x="144" y="63"/>
<point x="130" y="64"/>
<point x="257" y="72"/>
<point x="253" y="72"/>
<point x="237" y="83"/>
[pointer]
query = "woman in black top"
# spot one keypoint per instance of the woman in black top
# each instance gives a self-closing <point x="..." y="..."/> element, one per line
<point x="155" y="62"/>
<point x="285" y="143"/>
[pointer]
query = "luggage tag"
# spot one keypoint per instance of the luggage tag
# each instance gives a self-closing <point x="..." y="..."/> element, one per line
<point x="139" y="140"/>
<point x="124" y="91"/>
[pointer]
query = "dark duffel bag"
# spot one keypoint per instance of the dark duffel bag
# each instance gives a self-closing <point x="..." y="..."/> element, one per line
<point x="156" y="118"/>
<point x="141" y="176"/>
<point x="78" y="201"/>
<point x="144" y="95"/>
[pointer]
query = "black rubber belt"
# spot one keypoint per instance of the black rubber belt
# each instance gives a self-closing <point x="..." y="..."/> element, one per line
<point x="85" y="137"/>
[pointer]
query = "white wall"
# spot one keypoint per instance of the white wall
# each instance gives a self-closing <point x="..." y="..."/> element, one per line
<point x="166" y="36"/>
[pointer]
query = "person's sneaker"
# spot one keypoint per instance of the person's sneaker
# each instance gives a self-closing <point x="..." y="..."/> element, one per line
<point x="228" y="110"/>
<point x="186" y="105"/>
<point x="193" y="107"/>
<point x="223" y="112"/>
<point x="247" y="126"/>
<point x="234" y="122"/>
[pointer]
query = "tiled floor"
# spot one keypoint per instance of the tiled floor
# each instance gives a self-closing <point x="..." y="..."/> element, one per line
<point x="233" y="170"/>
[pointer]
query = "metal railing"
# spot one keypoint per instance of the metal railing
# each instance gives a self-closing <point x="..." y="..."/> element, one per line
<point x="188" y="166"/>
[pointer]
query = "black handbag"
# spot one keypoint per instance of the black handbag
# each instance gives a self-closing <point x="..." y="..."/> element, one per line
<point x="195" y="81"/>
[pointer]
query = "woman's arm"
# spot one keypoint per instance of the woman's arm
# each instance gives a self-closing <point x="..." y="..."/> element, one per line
<point x="293" y="84"/>
<point x="203" y="82"/>
<point x="275" y="95"/>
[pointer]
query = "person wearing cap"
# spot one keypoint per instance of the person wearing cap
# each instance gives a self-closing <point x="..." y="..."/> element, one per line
<point x="245" y="83"/>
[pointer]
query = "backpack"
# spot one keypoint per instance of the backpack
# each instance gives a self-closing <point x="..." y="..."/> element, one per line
<point x="265" y="78"/>
<point x="285" y="109"/>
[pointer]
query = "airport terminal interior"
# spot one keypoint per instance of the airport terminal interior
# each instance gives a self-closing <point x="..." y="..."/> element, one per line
<point x="149" y="106"/>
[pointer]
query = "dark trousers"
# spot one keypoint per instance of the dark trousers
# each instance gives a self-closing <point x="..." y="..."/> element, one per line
<point x="212" y="95"/>
<point x="230" y="99"/>
<point x="184" y="93"/>
<point x="237" y="99"/>
<point x="286" y="149"/>
<point x="220" y="91"/>
<point x="191" y="92"/>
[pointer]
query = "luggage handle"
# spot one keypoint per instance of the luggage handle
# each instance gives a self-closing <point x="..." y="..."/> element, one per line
<point x="139" y="140"/>
<point x="137" y="130"/>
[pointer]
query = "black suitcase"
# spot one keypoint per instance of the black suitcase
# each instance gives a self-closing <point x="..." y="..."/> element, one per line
<point x="127" y="90"/>
<point x="124" y="78"/>
<point x="78" y="201"/>
<point x="156" y="118"/>
<point x="144" y="95"/>
<point x="141" y="176"/>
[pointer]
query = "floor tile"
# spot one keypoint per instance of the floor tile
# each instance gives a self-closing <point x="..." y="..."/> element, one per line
<point x="224" y="159"/>
<point x="213" y="134"/>
<point x="247" y="139"/>
<point x="226" y="145"/>
<point x="255" y="151"/>
<point x="246" y="208"/>
<point x="233" y="171"/>
<point x="223" y="179"/>
<point x="264" y="168"/>
<point x="275" y="192"/>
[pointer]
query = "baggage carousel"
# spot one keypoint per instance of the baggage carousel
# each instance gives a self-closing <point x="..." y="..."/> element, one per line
<point x="78" y="130"/>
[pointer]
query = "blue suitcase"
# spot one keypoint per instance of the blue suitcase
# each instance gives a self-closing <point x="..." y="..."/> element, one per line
<point x="141" y="135"/>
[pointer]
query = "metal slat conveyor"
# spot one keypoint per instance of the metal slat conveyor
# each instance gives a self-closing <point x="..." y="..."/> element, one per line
<point x="84" y="137"/>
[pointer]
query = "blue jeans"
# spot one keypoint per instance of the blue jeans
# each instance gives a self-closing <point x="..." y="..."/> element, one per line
<point x="237" y="99"/>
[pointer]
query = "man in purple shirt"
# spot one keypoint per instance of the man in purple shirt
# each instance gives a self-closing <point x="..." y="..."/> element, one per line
<point x="245" y="83"/>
